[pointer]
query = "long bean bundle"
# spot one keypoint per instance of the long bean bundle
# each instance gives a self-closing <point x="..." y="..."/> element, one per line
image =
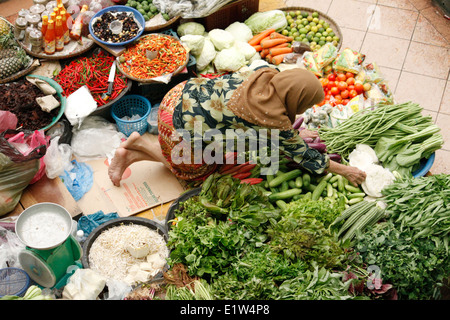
<point x="367" y="126"/>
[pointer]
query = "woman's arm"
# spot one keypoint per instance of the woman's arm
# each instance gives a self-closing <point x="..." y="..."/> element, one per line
<point x="354" y="175"/>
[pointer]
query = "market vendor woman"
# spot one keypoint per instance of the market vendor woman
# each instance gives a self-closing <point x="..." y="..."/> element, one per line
<point x="264" y="98"/>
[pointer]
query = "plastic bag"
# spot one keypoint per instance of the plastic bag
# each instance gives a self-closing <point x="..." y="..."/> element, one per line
<point x="8" y="120"/>
<point x="84" y="284"/>
<point x="26" y="142"/>
<point x="57" y="159"/>
<point x="16" y="171"/>
<point x="96" y="138"/>
<point x="349" y="60"/>
<point x="10" y="247"/>
<point x="189" y="9"/>
<point x="78" y="180"/>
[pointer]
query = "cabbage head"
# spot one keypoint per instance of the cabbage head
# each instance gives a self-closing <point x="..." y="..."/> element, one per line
<point x="261" y="21"/>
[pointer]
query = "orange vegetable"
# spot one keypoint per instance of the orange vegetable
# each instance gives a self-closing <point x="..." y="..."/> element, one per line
<point x="277" y="51"/>
<point x="258" y="47"/>
<point x="264" y="53"/>
<point x="269" y="43"/>
<point x="282" y="45"/>
<point x="257" y="38"/>
<point x="276" y="60"/>
<point x="269" y="58"/>
<point x="277" y="35"/>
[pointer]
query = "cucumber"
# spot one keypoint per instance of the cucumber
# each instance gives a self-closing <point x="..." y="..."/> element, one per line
<point x="284" y="177"/>
<point x="281" y="204"/>
<point x="298" y="182"/>
<point x="352" y="189"/>
<point x="355" y="200"/>
<point x="284" y="194"/>
<point x="284" y="186"/>
<point x="306" y="178"/>
<point x="329" y="190"/>
<point x="356" y="195"/>
<point x="319" y="189"/>
<point x="292" y="184"/>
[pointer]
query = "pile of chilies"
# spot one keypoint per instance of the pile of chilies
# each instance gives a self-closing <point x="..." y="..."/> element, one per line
<point x="170" y="56"/>
<point x="92" y="72"/>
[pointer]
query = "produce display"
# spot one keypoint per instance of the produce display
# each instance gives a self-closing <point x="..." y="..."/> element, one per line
<point x="310" y="28"/>
<point x="12" y="57"/>
<point x="128" y="26"/>
<point x="92" y="72"/>
<point x="146" y="8"/>
<point x="289" y="234"/>
<point x="19" y="98"/>
<point x="169" y="56"/>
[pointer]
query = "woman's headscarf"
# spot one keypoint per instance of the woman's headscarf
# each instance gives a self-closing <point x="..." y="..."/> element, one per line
<point x="272" y="99"/>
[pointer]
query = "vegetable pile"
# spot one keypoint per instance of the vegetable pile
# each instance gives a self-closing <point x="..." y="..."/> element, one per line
<point x="92" y="72"/>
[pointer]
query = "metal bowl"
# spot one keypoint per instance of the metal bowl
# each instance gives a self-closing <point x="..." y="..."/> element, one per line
<point x="35" y="223"/>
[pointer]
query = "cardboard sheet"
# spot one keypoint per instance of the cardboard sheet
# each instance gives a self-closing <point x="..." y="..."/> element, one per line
<point x="145" y="184"/>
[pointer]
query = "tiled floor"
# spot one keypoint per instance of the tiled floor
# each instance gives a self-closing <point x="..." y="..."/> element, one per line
<point x="408" y="39"/>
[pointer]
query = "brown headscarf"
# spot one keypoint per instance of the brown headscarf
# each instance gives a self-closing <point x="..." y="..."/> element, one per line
<point x="272" y="99"/>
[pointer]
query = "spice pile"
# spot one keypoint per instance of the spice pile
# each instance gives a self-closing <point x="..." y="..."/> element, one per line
<point x="20" y="98"/>
<point x="92" y="72"/>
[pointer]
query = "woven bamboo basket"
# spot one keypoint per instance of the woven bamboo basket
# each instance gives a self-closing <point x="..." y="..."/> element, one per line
<point x="323" y="16"/>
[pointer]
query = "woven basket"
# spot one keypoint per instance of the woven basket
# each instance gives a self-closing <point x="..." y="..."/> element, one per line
<point x="27" y="69"/>
<point x="323" y="16"/>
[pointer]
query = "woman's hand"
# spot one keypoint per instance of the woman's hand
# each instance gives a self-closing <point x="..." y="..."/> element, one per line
<point x="354" y="175"/>
<point x="306" y="133"/>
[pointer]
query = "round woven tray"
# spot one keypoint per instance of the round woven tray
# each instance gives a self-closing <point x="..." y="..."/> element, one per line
<point x="152" y="80"/>
<point x="79" y="49"/>
<point x="323" y="16"/>
<point x="163" y="26"/>
<point x="33" y="64"/>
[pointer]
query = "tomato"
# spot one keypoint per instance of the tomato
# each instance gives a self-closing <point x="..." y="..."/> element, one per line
<point x="359" y="88"/>
<point x="345" y="94"/>
<point x="338" y="98"/>
<point x="331" y="84"/>
<point x="352" y="94"/>
<point x="350" y="81"/>
<point x="331" y="77"/>
<point x="341" y="77"/>
<point x="351" y="87"/>
<point x="345" y="101"/>
<point x="324" y="82"/>
<point x="342" y="85"/>
<point x="334" y="91"/>
<point x="367" y="86"/>
<point x="349" y="75"/>
<point x="327" y="97"/>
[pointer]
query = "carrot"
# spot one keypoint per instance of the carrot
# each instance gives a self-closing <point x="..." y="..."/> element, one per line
<point x="269" y="58"/>
<point x="276" y="60"/>
<point x="258" y="47"/>
<point x="277" y="35"/>
<point x="277" y="51"/>
<point x="282" y="45"/>
<point x="269" y="43"/>
<point x="264" y="53"/>
<point x="257" y="38"/>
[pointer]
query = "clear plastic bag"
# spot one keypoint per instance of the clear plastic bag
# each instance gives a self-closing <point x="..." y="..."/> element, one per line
<point x="188" y="9"/>
<point x="57" y="159"/>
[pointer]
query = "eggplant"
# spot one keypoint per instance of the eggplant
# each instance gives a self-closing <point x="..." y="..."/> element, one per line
<point x="321" y="147"/>
<point x="308" y="140"/>
<point x="335" y="157"/>
<point x="298" y="122"/>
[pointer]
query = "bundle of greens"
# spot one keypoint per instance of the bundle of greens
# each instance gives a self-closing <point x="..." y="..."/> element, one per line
<point x="416" y="267"/>
<point x="421" y="205"/>
<point x="301" y="233"/>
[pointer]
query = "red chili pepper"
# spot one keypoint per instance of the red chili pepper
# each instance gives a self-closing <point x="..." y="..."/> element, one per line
<point x="241" y="176"/>
<point x="252" y="180"/>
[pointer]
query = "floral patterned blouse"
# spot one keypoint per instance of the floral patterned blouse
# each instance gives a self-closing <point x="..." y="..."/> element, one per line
<point x="205" y="100"/>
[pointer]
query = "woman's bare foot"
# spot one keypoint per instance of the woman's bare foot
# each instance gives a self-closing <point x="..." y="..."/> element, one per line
<point x="118" y="165"/>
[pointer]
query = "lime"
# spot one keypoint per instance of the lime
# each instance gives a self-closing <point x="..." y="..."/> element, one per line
<point x="294" y="29"/>
<point x="322" y="39"/>
<point x="144" y="3"/>
<point x="298" y="13"/>
<point x="302" y="36"/>
<point x="142" y="11"/>
<point x="292" y="13"/>
<point x="316" y="20"/>
<point x="326" y="25"/>
<point x="329" y="30"/>
<point x="314" y="29"/>
<point x="146" y="7"/>
<point x="303" y="31"/>
<point x="312" y="24"/>
<point x="295" y="34"/>
<point x="318" y="34"/>
<point x="331" y="34"/>
<point x="305" y="40"/>
<point x="304" y="14"/>
<point x="315" y="14"/>
<point x="309" y="37"/>
<point x="316" y="39"/>
<point x="298" y="39"/>
<point x="321" y="21"/>
<point x="292" y="25"/>
<point x="146" y="17"/>
<point x="308" y="27"/>
<point x="336" y="38"/>
<point x="299" y="26"/>
<point x="309" y="18"/>
<point x="284" y="32"/>
<point x="317" y="47"/>
<point x="153" y="8"/>
<point x="313" y="43"/>
<point x="321" y="29"/>
<point x="298" y="22"/>
<point x="335" y="43"/>
<point x="329" y="39"/>
<point x="325" y="34"/>
<point x="305" y="21"/>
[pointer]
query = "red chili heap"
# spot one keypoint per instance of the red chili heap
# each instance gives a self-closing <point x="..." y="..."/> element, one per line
<point x="92" y="72"/>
